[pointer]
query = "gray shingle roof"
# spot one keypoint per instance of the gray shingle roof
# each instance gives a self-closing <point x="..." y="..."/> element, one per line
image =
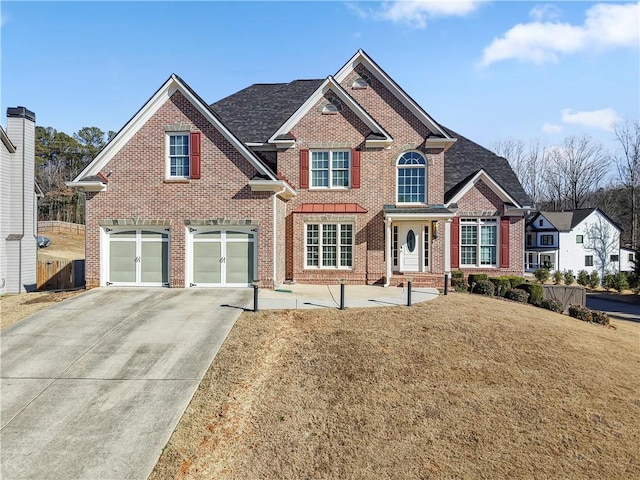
<point x="255" y="113"/>
<point x="566" y="221"/>
<point x="465" y="158"/>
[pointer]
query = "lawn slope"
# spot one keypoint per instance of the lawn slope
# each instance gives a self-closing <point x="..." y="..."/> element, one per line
<point x="463" y="386"/>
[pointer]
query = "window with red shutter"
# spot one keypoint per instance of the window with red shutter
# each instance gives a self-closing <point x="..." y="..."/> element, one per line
<point x="195" y="156"/>
<point x="304" y="168"/>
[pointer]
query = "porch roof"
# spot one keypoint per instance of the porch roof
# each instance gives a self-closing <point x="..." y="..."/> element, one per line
<point x="417" y="212"/>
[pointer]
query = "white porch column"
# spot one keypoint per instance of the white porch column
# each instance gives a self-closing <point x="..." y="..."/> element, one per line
<point x="387" y="247"/>
<point x="447" y="246"/>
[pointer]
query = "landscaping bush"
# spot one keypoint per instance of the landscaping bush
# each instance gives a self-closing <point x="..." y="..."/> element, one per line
<point x="542" y="275"/>
<point x="609" y="281"/>
<point x="583" y="278"/>
<point x="457" y="281"/>
<point x="461" y="287"/>
<point x="552" y="304"/>
<point x="580" y="312"/>
<point x="620" y="281"/>
<point x="594" y="280"/>
<point x="569" y="278"/>
<point x="515" y="280"/>
<point x="484" y="287"/>
<point x="477" y="277"/>
<point x="502" y="284"/>
<point x="599" y="317"/>
<point x="535" y="291"/>
<point x="557" y="277"/>
<point x="517" y="295"/>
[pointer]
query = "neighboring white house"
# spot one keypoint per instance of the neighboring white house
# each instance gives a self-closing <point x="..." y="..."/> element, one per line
<point x="18" y="203"/>
<point x="584" y="239"/>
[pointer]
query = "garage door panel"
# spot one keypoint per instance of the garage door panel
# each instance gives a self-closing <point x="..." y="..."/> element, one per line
<point x="239" y="262"/>
<point x="122" y="262"/>
<point x="154" y="267"/>
<point x="206" y="262"/>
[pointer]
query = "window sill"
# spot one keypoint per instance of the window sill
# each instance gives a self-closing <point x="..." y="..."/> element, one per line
<point x="175" y="180"/>
<point x="328" y="269"/>
<point x="330" y="189"/>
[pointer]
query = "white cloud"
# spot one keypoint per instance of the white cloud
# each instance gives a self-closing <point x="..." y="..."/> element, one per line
<point x="546" y="11"/>
<point x="603" y="119"/>
<point x="551" y="128"/>
<point x="416" y="13"/>
<point x="606" y="26"/>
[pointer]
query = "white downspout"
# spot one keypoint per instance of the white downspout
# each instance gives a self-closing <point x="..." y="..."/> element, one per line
<point x="275" y="236"/>
<point x="387" y="246"/>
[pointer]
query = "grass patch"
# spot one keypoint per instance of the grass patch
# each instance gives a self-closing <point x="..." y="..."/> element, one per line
<point x="463" y="386"/>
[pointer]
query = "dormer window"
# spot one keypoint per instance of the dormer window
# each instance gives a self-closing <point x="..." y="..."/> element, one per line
<point x="361" y="83"/>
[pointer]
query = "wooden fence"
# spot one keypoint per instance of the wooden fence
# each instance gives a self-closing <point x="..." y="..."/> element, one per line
<point x="60" y="227"/>
<point x="59" y="273"/>
<point x="568" y="295"/>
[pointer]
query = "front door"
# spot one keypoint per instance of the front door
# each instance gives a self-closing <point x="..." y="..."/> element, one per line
<point x="409" y="243"/>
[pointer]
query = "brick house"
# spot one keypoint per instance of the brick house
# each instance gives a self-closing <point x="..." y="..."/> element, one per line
<point x="311" y="181"/>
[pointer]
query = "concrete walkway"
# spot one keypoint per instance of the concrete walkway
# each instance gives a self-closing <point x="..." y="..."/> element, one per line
<point x="328" y="296"/>
<point x="93" y="387"/>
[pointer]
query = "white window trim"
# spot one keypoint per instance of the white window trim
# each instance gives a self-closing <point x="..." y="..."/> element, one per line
<point x="331" y="151"/>
<point x="426" y="178"/>
<point x="338" y="245"/>
<point x="167" y="158"/>
<point x="478" y="222"/>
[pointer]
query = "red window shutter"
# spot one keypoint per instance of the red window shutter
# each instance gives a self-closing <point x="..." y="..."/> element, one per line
<point x="504" y="242"/>
<point x="355" y="168"/>
<point x="455" y="243"/>
<point x="194" y="148"/>
<point x="304" y="168"/>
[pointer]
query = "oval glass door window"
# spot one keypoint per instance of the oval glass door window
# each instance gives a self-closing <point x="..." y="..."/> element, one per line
<point x="411" y="241"/>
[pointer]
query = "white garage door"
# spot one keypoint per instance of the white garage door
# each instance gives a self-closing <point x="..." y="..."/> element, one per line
<point x="138" y="258"/>
<point x="222" y="258"/>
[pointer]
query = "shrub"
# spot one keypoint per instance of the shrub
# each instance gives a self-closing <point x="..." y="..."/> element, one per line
<point x="535" y="291"/>
<point x="609" y="281"/>
<point x="568" y="277"/>
<point x="542" y="275"/>
<point x="620" y="281"/>
<point x="515" y="280"/>
<point x="599" y="317"/>
<point x="580" y="312"/>
<point x="583" y="278"/>
<point x="594" y="280"/>
<point x="518" y="295"/>
<point x="457" y="281"/>
<point x="502" y="284"/>
<point x="484" y="287"/>
<point x="557" y="277"/>
<point x="477" y="277"/>
<point x="552" y="304"/>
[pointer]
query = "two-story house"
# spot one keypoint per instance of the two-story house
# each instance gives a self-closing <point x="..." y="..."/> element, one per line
<point x="584" y="239"/>
<point x="18" y="202"/>
<point x="312" y="181"/>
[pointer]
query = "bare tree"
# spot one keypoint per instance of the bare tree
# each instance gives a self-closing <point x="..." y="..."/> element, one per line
<point x="582" y="164"/>
<point x="628" y="163"/>
<point x="602" y="240"/>
<point x="529" y="163"/>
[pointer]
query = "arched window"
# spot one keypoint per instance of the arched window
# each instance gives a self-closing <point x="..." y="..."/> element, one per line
<point x="412" y="178"/>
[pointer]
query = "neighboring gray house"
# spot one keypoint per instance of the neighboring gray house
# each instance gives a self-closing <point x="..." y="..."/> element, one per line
<point x="18" y="203"/>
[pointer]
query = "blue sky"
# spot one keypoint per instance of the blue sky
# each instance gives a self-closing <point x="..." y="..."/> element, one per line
<point x="488" y="70"/>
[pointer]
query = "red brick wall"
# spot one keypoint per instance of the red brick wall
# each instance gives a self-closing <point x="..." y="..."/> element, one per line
<point x="137" y="189"/>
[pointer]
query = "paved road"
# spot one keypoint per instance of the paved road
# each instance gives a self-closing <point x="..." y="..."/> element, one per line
<point x="92" y="388"/>
<point x="629" y="309"/>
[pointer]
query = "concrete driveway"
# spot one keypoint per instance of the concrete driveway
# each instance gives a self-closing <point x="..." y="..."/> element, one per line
<point x="93" y="387"/>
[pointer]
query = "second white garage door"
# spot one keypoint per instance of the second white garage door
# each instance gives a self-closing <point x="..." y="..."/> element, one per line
<point x="221" y="258"/>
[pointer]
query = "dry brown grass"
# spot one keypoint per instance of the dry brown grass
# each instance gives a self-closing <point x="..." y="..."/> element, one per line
<point x="463" y="386"/>
<point x="14" y="308"/>
<point x="69" y="246"/>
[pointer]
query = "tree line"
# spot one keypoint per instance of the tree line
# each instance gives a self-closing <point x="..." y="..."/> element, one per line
<point x="581" y="173"/>
<point x="60" y="158"/>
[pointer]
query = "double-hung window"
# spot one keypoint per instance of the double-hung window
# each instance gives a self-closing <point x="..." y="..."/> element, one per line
<point x="546" y="240"/>
<point x="329" y="245"/>
<point x="412" y="178"/>
<point x="330" y="168"/>
<point x="478" y="242"/>
<point x="178" y="150"/>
